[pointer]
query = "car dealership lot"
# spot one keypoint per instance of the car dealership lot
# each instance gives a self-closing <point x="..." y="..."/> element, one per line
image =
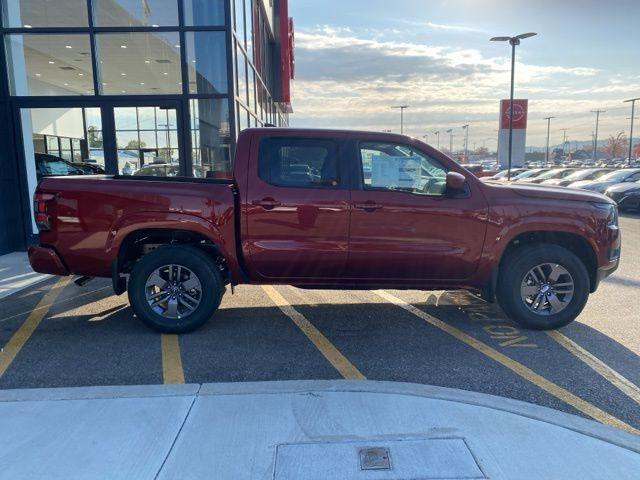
<point x="58" y="334"/>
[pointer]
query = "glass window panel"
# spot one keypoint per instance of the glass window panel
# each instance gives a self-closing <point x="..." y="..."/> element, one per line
<point x="243" y="123"/>
<point x="93" y="118"/>
<point x="49" y="64"/>
<point x="239" y="23"/>
<point x="204" y="12"/>
<point x="128" y="161"/>
<point x="167" y="139"/>
<point x="139" y="63"/>
<point x="251" y="88"/>
<point x="147" y="118"/>
<point x="127" y="139"/>
<point x="135" y="13"/>
<point x="65" y="144"/>
<point x="52" y="145"/>
<point x="166" y="118"/>
<point x="207" y="62"/>
<point x="44" y="13"/>
<point x="148" y="139"/>
<point x="125" y="118"/>
<point x="210" y="126"/>
<point x="242" y="76"/>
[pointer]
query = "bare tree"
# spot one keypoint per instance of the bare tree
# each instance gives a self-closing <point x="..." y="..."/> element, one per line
<point x="616" y="146"/>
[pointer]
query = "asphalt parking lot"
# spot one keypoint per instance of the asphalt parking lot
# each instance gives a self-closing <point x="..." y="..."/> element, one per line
<point x="57" y="334"/>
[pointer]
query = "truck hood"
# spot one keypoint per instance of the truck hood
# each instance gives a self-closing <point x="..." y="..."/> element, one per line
<point x="558" y="193"/>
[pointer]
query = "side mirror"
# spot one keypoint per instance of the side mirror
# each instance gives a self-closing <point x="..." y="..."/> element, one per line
<point x="455" y="182"/>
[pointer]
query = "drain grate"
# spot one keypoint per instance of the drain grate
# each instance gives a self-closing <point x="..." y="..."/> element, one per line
<point x="374" y="458"/>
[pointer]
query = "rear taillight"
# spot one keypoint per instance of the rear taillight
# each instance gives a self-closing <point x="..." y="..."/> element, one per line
<point x="41" y="202"/>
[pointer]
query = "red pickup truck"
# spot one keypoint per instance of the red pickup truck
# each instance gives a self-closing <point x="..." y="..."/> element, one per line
<point x="334" y="210"/>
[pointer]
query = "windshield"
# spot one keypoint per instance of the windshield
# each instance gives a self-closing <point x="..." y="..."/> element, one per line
<point x="529" y="174"/>
<point x="585" y="174"/>
<point x="617" y="176"/>
<point x="551" y="174"/>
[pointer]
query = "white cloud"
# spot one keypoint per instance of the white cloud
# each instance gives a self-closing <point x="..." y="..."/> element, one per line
<point x="349" y="80"/>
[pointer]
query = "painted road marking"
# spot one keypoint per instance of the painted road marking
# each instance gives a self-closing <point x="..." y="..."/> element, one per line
<point x="322" y="343"/>
<point x="22" y="335"/>
<point x="623" y="384"/>
<point x="516" y="367"/>
<point x="172" y="372"/>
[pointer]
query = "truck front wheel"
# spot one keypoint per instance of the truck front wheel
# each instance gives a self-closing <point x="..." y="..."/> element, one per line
<point x="175" y="289"/>
<point x="542" y="286"/>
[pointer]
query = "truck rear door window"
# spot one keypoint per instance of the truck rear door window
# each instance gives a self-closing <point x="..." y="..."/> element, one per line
<point x="298" y="162"/>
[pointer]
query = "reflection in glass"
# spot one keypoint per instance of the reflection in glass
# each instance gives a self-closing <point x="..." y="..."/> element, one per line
<point x="251" y="88"/>
<point x="139" y="63"/>
<point x="50" y="64"/>
<point x="204" y="12"/>
<point x="44" y="13"/>
<point x="239" y="21"/>
<point x="210" y="137"/>
<point x="147" y="141"/>
<point x="242" y="76"/>
<point x="207" y="62"/>
<point x="135" y="13"/>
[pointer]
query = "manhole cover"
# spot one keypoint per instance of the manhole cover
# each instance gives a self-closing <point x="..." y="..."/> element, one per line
<point x="375" y="458"/>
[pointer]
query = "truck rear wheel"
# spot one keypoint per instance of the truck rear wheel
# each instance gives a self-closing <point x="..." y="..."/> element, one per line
<point x="543" y="286"/>
<point x="175" y="289"/>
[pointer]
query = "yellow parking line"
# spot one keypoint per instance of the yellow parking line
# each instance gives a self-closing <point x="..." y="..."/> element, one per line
<point x="623" y="384"/>
<point x="516" y="367"/>
<point x="172" y="372"/>
<point x="322" y="343"/>
<point x="22" y="335"/>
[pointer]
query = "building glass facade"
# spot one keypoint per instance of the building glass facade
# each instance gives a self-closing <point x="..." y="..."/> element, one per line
<point x="131" y="87"/>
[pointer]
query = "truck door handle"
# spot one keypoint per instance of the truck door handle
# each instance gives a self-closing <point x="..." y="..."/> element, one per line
<point x="368" y="206"/>
<point x="267" y="203"/>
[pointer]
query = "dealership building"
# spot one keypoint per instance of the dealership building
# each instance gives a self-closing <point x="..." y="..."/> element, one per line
<point x="132" y="87"/>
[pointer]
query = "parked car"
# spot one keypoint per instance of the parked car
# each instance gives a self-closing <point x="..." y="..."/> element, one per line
<point x="502" y="176"/>
<point x="601" y="184"/>
<point x="530" y="175"/>
<point x="626" y="195"/>
<point x="50" y="165"/>
<point x="553" y="174"/>
<point x="90" y="168"/>
<point x="158" y="170"/>
<point x="421" y="221"/>
<point x="579" y="175"/>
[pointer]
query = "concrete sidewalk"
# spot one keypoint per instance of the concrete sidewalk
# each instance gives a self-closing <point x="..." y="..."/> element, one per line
<point x="300" y="430"/>
<point x="16" y="273"/>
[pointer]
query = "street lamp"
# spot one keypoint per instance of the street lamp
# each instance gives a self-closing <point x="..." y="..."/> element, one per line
<point x="450" y="132"/>
<point x="437" y="134"/>
<point x="633" y="108"/>
<point x="548" y="119"/>
<point x="595" y="138"/>
<point x="466" y="142"/>
<point x="402" y="109"/>
<point x="513" y="41"/>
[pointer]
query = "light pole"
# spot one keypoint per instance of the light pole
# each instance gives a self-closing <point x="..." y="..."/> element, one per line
<point x="466" y="142"/>
<point x="595" y="138"/>
<point x="564" y="141"/>
<point x="513" y="41"/>
<point x="402" y="108"/>
<point x="633" y="109"/>
<point x="450" y="132"/>
<point x="548" y="119"/>
<point x="437" y="134"/>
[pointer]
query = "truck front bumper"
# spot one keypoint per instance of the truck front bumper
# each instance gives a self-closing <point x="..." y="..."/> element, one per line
<point x="46" y="260"/>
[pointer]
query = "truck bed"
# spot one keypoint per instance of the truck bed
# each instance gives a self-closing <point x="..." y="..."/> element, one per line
<point x="92" y="216"/>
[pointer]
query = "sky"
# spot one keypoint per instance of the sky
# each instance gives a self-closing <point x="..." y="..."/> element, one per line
<point x="357" y="58"/>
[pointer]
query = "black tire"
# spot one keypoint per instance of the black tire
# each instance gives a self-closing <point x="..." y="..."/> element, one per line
<point x="515" y="268"/>
<point x="197" y="262"/>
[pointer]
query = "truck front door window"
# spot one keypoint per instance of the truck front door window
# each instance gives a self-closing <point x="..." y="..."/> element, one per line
<point x="400" y="168"/>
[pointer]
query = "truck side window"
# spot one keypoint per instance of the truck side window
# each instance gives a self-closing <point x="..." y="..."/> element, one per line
<point x="297" y="162"/>
<point x="388" y="166"/>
